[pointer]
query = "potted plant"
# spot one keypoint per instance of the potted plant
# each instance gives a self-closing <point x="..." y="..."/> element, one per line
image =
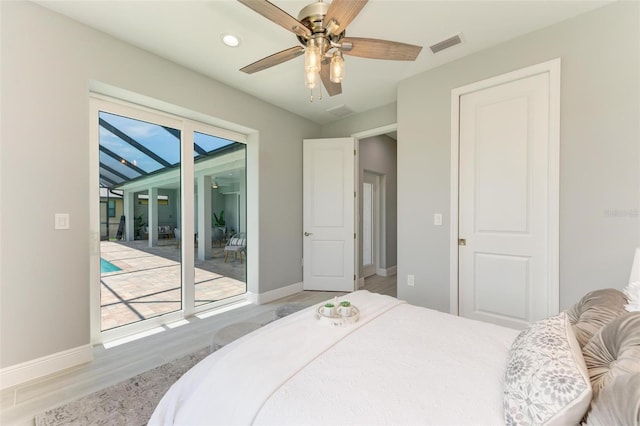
<point x="329" y="309"/>
<point x="218" y="221"/>
<point x="137" y="224"/>
<point x="345" y="308"/>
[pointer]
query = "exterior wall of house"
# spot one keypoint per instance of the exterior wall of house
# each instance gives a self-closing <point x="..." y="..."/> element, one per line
<point x="109" y="224"/>
<point x="167" y="210"/>
<point x="49" y="65"/>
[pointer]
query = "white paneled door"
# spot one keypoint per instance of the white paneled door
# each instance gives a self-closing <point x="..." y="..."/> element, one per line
<point x="505" y="207"/>
<point x="328" y="214"/>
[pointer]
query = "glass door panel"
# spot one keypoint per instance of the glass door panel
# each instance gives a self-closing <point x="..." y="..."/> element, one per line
<point x="140" y="261"/>
<point x="220" y="218"/>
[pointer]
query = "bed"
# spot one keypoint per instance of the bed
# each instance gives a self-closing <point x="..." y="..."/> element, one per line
<point x="403" y="364"/>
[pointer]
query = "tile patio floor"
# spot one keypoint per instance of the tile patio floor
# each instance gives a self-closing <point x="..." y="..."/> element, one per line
<point x="148" y="283"/>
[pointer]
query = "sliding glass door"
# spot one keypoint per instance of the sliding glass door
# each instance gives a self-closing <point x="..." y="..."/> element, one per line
<point x="171" y="193"/>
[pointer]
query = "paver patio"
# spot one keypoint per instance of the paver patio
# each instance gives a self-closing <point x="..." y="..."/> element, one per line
<point x="149" y="282"/>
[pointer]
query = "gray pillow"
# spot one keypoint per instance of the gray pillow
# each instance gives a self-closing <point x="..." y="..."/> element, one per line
<point x="618" y="403"/>
<point x="614" y="351"/>
<point x="595" y="310"/>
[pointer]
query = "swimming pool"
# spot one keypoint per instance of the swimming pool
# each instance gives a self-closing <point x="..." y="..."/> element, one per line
<point x="106" y="266"/>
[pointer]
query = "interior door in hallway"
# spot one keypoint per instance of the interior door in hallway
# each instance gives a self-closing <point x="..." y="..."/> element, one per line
<point x="370" y="223"/>
<point x="504" y="202"/>
<point x="329" y="214"/>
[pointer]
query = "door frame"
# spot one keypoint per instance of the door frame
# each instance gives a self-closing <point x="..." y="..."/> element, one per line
<point x="551" y="67"/>
<point x="377" y="131"/>
<point x="377" y="224"/>
<point x="189" y="123"/>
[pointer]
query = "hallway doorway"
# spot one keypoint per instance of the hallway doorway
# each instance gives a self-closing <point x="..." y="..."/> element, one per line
<point x="377" y="206"/>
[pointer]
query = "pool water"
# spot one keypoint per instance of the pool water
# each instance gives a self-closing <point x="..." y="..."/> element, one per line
<point x="106" y="266"/>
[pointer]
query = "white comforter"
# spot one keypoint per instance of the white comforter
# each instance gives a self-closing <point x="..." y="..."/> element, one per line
<point x="400" y="364"/>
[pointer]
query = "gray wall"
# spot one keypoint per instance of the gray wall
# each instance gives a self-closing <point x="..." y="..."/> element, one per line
<point x="378" y="154"/>
<point x="48" y="65"/>
<point x="599" y="152"/>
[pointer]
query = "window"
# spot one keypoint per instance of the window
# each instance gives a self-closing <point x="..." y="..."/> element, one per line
<point x="111" y="208"/>
<point x="160" y="199"/>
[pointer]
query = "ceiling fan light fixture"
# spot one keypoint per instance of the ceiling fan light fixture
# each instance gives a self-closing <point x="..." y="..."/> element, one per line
<point x="312" y="57"/>
<point x="320" y="28"/>
<point x="336" y="68"/>
<point x="310" y="78"/>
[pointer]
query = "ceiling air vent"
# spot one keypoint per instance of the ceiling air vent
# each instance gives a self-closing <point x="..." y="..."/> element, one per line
<point x="445" y="44"/>
<point x="340" y="111"/>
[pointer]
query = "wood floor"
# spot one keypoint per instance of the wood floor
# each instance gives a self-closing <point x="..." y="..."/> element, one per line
<point x="20" y="404"/>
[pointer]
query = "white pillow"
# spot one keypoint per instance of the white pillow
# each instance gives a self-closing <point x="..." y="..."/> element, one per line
<point x="546" y="381"/>
<point x="632" y="291"/>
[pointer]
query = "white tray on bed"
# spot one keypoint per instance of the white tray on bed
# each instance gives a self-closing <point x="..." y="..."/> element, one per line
<point x="337" y="319"/>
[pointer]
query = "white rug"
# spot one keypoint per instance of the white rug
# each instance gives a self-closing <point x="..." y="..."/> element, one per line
<point x="128" y="403"/>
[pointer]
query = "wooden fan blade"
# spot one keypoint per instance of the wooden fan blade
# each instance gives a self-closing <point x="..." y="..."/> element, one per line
<point x="277" y="15"/>
<point x="332" y="88"/>
<point x="380" y="49"/>
<point x="275" y="59"/>
<point x="342" y="12"/>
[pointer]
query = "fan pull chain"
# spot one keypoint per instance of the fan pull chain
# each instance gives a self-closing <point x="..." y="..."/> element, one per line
<point x="319" y="93"/>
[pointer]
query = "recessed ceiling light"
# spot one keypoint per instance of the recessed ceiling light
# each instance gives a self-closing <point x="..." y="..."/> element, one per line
<point x="230" y="40"/>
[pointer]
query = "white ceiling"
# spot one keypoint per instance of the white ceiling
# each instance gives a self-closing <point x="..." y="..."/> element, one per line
<point x="189" y="33"/>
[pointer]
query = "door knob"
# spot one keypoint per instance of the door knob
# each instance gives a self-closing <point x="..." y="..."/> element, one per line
<point x="306" y="234"/>
<point x="462" y="242"/>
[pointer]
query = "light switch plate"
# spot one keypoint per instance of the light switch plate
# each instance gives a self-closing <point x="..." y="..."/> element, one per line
<point x="437" y="219"/>
<point x="62" y="221"/>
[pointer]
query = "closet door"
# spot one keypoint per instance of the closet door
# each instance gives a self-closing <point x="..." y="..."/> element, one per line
<point x="504" y="202"/>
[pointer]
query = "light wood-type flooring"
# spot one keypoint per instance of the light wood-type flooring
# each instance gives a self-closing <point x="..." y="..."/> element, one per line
<point x="20" y="404"/>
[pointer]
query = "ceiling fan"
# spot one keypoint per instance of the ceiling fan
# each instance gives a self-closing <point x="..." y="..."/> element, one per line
<point x="320" y="29"/>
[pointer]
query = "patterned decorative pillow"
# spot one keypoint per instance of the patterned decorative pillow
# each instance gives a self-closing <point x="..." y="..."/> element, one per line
<point x="237" y="242"/>
<point x="546" y="382"/>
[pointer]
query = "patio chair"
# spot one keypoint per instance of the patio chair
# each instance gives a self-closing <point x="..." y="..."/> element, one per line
<point x="217" y="234"/>
<point x="177" y="235"/>
<point x="236" y="244"/>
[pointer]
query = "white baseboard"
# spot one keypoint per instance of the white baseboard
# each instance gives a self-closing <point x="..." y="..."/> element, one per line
<point x="388" y="272"/>
<point x="40" y="367"/>
<point x="360" y="283"/>
<point x="270" y="296"/>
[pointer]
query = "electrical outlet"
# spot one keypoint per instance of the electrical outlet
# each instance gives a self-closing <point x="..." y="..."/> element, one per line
<point x="410" y="280"/>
